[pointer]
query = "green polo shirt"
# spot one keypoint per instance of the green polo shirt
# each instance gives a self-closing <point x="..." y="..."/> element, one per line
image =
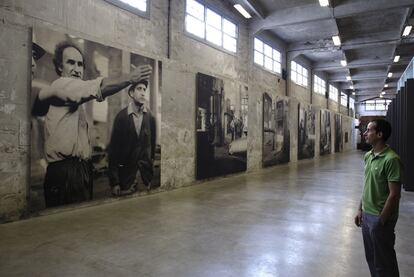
<point x="379" y="170"/>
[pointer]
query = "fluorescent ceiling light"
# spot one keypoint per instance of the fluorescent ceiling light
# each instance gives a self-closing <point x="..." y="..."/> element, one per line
<point x="336" y="40"/>
<point x="343" y="62"/>
<point x="386" y="85"/>
<point x="381" y="96"/>
<point x="242" y="11"/>
<point x="407" y="30"/>
<point x="396" y="59"/>
<point x="383" y="92"/>
<point x="351" y="87"/>
<point x="348" y="78"/>
<point x="353" y="93"/>
<point x="324" y="3"/>
<point x="389" y="75"/>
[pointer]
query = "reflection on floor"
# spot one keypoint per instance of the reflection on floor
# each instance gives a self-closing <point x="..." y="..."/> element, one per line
<point x="291" y="220"/>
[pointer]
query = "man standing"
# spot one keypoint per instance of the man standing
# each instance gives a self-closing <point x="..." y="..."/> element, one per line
<point x="67" y="124"/>
<point x="378" y="210"/>
<point x="132" y="145"/>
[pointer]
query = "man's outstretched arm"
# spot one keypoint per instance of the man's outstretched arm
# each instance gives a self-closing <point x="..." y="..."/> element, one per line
<point x="74" y="91"/>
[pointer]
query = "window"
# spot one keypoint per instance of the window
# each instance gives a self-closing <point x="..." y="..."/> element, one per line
<point x="298" y="74"/>
<point x="352" y="103"/>
<point x="344" y="99"/>
<point x="377" y="105"/>
<point x="333" y="93"/>
<point x="266" y="56"/>
<point x="210" y="26"/>
<point x="139" y="7"/>
<point x="319" y="85"/>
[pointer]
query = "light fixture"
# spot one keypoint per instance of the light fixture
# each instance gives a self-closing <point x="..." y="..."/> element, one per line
<point x="343" y="62"/>
<point x="386" y="85"/>
<point x="407" y="30"/>
<point x="396" y="59"/>
<point x="381" y="96"/>
<point x="389" y="75"/>
<point x="351" y="87"/>
<point x="353" y="93"/>
<point x="242" y="11"/>
<point x="336" y="40"/>
<point x="324" y="3"/>
<point x="348" y="78"/>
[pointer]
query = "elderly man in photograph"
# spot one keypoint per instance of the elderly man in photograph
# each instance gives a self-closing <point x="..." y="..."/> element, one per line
<point x="132" y="145"/>
<point x="378" y="210"/>
<point x="67" y="124"/>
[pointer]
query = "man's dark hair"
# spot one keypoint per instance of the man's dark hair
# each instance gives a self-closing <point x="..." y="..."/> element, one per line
<point x="134" y="85"/>
<point x="383" y="126"/>
<point x="57" y="60"/>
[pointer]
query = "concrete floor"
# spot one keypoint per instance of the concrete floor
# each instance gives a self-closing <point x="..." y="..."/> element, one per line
<point x="292" y="220"/>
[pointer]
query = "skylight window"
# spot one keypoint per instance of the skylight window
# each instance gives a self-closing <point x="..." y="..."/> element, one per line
<point x="139" y="7"/>
<point x="298" y="74"/>
<point x="266" y="56"/>
<point x="333" y="93"/>
<point x="319" y="85"/>
<point x="344" y="99"/>
<point x="208" y="25"/>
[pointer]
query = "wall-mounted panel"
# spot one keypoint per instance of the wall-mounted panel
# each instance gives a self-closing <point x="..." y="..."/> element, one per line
<point x="276" y="134"/>
<point x="83" y="148"/>
<point x="221" y="126"/>
<point x="306" y="132"/>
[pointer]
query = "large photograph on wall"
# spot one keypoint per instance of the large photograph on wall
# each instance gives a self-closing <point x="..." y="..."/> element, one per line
<point x="306" y="132"/>
<point x="276" y="135"/>
<point x="338" y="133"/>
<point x="326" y="137"/>
<point x="96" y="116"/>
<point x="221" y="123"/>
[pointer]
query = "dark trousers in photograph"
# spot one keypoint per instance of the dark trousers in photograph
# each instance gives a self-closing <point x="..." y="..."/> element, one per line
<point x="379" y="241"/>
<point x="68" y="181"/>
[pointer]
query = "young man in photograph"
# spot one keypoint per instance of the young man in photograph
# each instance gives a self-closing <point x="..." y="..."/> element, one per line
<point x="132" y="145"/>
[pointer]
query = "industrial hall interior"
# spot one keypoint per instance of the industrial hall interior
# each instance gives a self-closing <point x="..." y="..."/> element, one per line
<point x="198" y="138"/>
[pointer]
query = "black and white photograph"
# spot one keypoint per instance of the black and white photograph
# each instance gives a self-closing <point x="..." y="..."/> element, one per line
<point x="326" y="134"/>
<point x="95" y="124"/>
<point x="276" y="134"/>
<point x="338" y="133"/>
<point x="306" y="132"/>
<point x="221" y="123"/>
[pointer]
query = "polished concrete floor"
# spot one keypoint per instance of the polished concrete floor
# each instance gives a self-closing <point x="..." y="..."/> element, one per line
<point x="292" y="220"/>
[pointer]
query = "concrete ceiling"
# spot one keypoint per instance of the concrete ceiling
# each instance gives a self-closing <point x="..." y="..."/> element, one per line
<point x="370" y="32"/>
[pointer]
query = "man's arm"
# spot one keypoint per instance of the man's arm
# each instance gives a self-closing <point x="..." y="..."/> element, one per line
<point x="71" y="91"/>
<point x="111" y="86"/>
<point x="392" y="201"/>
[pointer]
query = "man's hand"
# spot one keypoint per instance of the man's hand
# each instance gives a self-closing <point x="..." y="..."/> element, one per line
<point x="141" y="72"/>
<point x="116" y="190"/>
<point x="358" y="218"/>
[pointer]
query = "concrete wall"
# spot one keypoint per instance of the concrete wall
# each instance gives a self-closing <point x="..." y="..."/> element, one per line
<point x="14" y="119"/>
<point x="181" y="59"/>
<point x="319" y="100"/>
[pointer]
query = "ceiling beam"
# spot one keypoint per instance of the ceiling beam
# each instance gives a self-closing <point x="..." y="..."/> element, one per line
<point x="321" y="66"/>
<point x="314" y="12"/>
<point x="327" y="45"/>
<point x="255" y="7"/>
<point x="342" y="78"/>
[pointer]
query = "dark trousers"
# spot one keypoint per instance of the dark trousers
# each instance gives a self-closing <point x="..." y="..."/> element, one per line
<point x="379" y="243"/>
<point x="68" y="181"/>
